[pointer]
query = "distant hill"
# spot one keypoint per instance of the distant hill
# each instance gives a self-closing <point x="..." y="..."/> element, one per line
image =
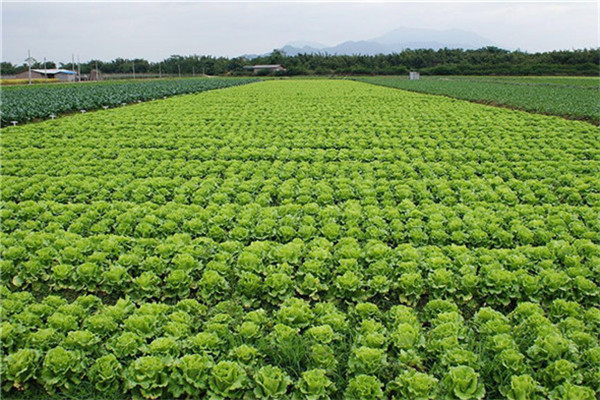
<point x="423" y="38"/>
<point x="394" y="42"/>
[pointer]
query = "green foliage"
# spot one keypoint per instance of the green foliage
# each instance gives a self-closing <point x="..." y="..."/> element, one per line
<point x="20" y="367"/>
<point x="227" y="381"/>
<point x="314" y="385"/>
<point x="190" y="375"/>
<point x="413" y="385"/>
<point x="364" y="387"/>
<point x="463" y="383"/>
<point x="301" y="239"/>
<point x="61" y="369"/>
<point x="106" y="374"/>
<point x="270" y="383"/>
<point x="29" y="103"/>
<point x="146" y="377"/>
<point x="555" y="96"/>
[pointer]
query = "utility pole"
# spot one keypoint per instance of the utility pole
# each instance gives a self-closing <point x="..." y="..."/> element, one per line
<point x="133" y="65"/>
<point x="30" y="60"/>
<point x="179" y="69"/>
<point x="97" y="72"/>
<point x="194" y="71"/>
<point x="78" y="69"/>
<point x="159" y="70"/>
<point x="73" y="64"/>
<point x="45" y="69"/>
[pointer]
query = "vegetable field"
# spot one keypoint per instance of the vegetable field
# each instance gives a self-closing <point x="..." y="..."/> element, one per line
<point x="26" y="103"/>
<point x="301" y="240"/>
<point x="576" y="98"/>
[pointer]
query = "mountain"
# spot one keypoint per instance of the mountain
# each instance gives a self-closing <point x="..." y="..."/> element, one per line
<point x="396" y="41"/>
<point x="304" y="43"/>
<point x="451" y="38"/>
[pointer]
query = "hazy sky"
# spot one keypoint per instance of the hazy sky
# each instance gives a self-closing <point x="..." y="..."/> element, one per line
<point x="156" y="30"/>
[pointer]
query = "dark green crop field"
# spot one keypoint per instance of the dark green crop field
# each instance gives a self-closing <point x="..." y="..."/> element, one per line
<point x="577" y="98"/>
<point x="26" y="103"/>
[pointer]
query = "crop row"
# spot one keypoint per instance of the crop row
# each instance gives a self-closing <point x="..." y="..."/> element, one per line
<point x="266" y="272"/>
<point x="23" y="104"/>
<point x="558" y="173"/>
<point x="187" y="349"/>
<point x="274" y="191"/>
<point x="485" y="224"/>
<point x="559" y="145"/>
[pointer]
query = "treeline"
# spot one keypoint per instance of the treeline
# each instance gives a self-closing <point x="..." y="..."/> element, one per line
<point x="485" y="61"/>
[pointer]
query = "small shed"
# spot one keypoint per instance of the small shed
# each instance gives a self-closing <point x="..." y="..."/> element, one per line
<point x="265" y="67"/>
<point x="54" y="73"/>
<point x="414" y="76"/>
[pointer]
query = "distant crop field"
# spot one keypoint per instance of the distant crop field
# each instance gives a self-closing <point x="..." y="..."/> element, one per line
<point x="572" y="97"/>
<point x="576" y="81"/>
<point x="27" y="103"/>
<point x="322" y="239"/>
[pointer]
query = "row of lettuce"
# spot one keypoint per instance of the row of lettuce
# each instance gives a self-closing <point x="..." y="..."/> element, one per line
<point x="325" y="192"/>
<point x="23" y="103"/>
<point x="573" y="174"/>
<point x="265" y="273"/>
<point x="301" y="349"/>
<point x="301" y="240"/>
<point x="490" y="225"/>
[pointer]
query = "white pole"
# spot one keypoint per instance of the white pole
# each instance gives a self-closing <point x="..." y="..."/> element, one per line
<point x="29" y="63"/>
<point x="133" y="65"/>
<point x="78" y="69"/>
<point x="45" y="69"/>
<point x="73" y="64"/>
<point x="97" y="72"/>
<point x="159" y="70"/>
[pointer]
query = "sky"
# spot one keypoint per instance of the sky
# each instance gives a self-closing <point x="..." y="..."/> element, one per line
<point x="157" y="30"/>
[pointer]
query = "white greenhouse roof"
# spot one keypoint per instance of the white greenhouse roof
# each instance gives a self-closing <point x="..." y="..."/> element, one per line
<point x="53" y="71"/>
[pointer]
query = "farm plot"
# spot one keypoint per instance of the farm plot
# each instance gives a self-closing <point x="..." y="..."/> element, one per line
<point x="576" y="98"/>
<point x="305" y="240"/>
<point x="26" y="103"/>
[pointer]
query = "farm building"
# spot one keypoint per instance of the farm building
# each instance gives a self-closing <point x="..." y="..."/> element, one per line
<point x="269" y="67"/>
<point x="60" y="74"/>
<point x="95" y="75"/>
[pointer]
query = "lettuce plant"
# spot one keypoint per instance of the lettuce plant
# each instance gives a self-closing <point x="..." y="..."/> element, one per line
<point x="364" y="387"/>
<point x="190" y="374"/>
<point x="147" y="377"/>
<point x="413" y="385"/>
<point x="463" y="383"/>
<point x="270" y="383"/>
<point x="313" y="385"/>
<point x="61" y="369"/>
<point x="105" y="374"/>
<point x="569" y="391"/>
<point x="20" y="367"/>
<point x="365" y="360"/>
<point x="227" y="380"/>
<point x="522" y="387"/>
